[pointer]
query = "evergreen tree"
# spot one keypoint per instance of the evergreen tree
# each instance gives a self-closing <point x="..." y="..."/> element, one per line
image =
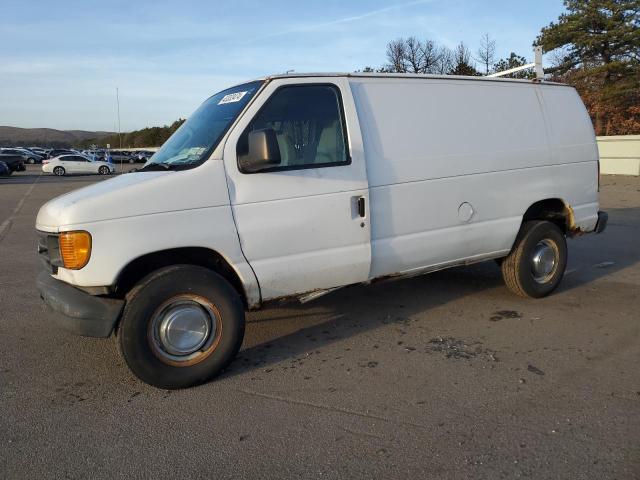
<point x="514" y="61"/>
<point x="600" y="41"/>
<point x="462" y="61"/>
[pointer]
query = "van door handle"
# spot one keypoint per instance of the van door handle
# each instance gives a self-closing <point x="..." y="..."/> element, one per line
<point x="361" y="207"/>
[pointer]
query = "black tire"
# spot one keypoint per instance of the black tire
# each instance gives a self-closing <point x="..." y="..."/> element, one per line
<point x="131" y="160"/>
<point x="517" y="267"/>
<point x="31" y="160"/>
<point x="103" y="170"/>
<point x="138" y="342"/>
<point x="59" y="171"/>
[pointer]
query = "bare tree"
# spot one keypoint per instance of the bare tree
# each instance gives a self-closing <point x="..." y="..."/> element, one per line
<point x="446" y="61"/>
<point x="396" y="55"/>
<point x="414" y="55"/>
<point x="431" y="56"/>
<point x="486" y="52"/>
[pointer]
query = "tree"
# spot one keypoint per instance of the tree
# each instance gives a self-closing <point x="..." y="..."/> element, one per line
<point x="396" y="56"/>
<point x="514" y="61"/>
<point x="431" y="56"/>
<point x="412" y="55"/>
<point x="147" y="137"/>
<point x="446" y="61"/>
<point x="462" y="61"/>
<point x="486" y="52"/>
<point x="600" y="41"/>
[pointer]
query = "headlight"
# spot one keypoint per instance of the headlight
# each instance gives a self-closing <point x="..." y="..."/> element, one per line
<point x="75" y="249"/>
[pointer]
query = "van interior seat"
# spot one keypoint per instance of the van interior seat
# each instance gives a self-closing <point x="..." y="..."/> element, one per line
<point x="287" y="150"/>
<point x="329" y="144"/>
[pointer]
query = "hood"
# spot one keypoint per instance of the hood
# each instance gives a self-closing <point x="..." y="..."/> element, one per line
<point x="135" y="194"/>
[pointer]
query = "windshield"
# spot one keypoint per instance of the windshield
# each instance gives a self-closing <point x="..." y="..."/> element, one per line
<point x="194" y="141"/>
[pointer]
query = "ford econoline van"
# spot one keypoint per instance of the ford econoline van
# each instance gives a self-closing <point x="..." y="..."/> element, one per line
<point x="294" y="185"/>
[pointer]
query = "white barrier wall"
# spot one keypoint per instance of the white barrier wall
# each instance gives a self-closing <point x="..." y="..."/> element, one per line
<point x="619" y="154"/>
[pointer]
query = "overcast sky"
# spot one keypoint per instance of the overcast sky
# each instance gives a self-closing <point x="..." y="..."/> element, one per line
<point x="61" y="61"/>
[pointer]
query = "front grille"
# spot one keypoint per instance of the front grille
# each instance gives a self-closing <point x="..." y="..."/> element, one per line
<point x="49" y="250"/>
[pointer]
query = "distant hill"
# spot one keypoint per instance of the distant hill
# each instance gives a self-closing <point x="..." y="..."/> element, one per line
<point x="45" y="137"/>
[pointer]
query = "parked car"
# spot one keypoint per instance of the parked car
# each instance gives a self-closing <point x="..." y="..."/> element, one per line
<point x="39" y="151"/>
<point x="14" y="162"/>
<point x="4" y="169"/>
<point x="69" y="164"/>
<point x="141" y="156"/>
<point x="59" y="151"/>
<point x="120" y="156"/>
<point x="295" y="185"/>
<point x="27" y="156"/>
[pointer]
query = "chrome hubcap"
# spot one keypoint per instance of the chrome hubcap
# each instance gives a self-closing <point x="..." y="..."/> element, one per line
<point x="544" y="261"/>
<point x="183" y="329"/>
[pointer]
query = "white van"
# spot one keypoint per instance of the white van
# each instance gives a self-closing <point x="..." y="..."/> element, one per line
<point x="294" y="185"/>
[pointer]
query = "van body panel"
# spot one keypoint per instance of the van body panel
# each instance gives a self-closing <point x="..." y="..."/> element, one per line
<point x="136" y="194"/>
<point x="499" y="201"/>
<point x="571" y="136"/>
<point x="300" y="229"/>
<point x="116" y="243"/>
<point x="417" y="130"/>
<point x="434" y="147"/>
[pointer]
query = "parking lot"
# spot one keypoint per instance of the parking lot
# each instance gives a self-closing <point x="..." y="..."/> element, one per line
<point x="442" y="376"/>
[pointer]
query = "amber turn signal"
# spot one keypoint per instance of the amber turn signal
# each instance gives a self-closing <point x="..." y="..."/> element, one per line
<point x="75" y="249"/>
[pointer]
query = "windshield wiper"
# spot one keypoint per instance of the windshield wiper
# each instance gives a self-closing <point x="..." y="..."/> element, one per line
<point x="156" y="166"/>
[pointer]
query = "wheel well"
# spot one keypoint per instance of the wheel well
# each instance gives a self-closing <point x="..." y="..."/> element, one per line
<point x="139" y="268"/>
<point x="553" y="210"/>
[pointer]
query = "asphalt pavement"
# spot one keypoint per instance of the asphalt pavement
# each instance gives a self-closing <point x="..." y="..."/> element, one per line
<point x="446" y="376"/>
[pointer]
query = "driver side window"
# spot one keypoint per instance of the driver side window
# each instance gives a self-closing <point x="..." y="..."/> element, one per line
<point x="309" y="126"/>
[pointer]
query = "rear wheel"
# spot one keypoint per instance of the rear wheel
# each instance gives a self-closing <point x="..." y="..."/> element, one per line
<point x="181" y="326"/>
<point x="536" y="264"/>
<point x="59" y="171"/>
<point x="103" y="170"/>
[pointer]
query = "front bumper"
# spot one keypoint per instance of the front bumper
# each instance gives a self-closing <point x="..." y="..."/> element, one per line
<point x="77" y="311"/>
<point x="601" y="225"/>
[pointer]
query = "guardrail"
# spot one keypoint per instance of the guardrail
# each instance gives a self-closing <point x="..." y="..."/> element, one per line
<point x="619" y="154"/>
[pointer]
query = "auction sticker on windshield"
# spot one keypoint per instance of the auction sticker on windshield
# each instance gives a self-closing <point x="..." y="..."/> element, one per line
<point x="232" y="97"/>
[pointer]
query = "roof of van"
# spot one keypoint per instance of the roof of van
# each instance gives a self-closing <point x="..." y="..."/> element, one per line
<point x="405" y="76"/>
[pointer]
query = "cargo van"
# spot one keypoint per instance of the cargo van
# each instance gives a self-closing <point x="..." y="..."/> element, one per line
<point x="294" y="185"/>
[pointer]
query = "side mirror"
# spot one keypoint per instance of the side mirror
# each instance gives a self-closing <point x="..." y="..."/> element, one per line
<point x="264" y="151"/>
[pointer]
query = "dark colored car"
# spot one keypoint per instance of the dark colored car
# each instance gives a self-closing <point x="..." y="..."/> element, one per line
<point x="142" y="156"/>
<point x="56" y="152"/>
<point x="4" y="169"/>
<point x="14" y="162"/>
<point x="27" y="156"/>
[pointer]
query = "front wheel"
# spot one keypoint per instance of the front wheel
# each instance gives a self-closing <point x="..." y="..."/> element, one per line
<point x="181" y="326"/>
<point x="31" y="161"/>
<point x="59" y="171"/>
<point x="103" y="170"/>
<point x="536" y="264"/>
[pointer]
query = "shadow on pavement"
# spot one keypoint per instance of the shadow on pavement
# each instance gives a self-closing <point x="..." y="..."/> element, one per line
<point x="364" y="308"/>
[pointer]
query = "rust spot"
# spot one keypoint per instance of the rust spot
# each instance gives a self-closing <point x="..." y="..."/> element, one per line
<point x="572" y="229"/>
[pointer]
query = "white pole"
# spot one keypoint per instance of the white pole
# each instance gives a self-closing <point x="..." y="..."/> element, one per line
<point x="119" y="136"/>
<point x="538" y="62"/>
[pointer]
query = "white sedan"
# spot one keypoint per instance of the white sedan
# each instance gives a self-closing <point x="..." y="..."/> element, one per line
<point x="65" y="164"/>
